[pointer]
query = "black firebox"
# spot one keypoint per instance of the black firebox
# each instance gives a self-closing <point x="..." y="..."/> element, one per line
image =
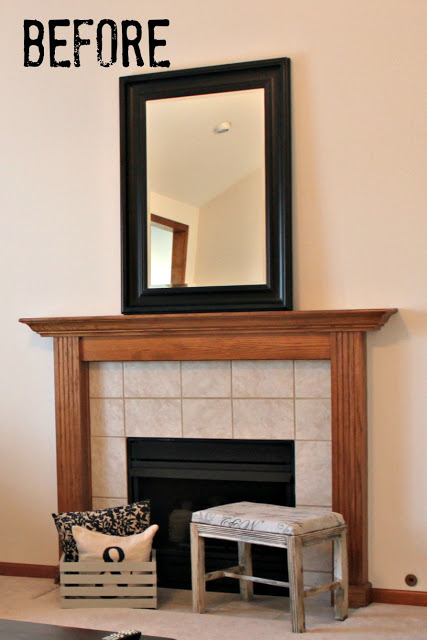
<point x="183" y="475"/>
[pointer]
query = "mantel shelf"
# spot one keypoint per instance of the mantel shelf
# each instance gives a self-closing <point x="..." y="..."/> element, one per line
<point x="265" y="322"/>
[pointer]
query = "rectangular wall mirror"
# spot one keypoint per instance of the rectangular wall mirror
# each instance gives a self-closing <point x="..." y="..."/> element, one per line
<point x="206" y="189"/>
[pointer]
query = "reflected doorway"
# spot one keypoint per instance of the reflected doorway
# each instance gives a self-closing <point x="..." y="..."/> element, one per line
<point x="169" y="259"/>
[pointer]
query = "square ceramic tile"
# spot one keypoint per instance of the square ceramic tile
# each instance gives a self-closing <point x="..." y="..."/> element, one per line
<point x="152" y="379"/>
<point x="313" y="473"/>
<point x="206" y="418"/>
<point x="263" y="419"/>
<point x="313" y="419"/>
<point x="312" y="379"/>
<point x="105" y="379"/>
<point x="207" y="379"/>
<point x="107" y="417"/>
<point x="262" y="378"/>
<point x="109" y="467"/>
<point x="153" y="418"/>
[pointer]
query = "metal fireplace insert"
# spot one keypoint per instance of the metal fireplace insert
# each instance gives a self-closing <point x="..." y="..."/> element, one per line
<point x="183" y="475"/>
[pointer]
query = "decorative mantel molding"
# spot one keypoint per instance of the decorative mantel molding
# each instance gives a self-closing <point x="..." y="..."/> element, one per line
<point x="208" y="323"/>
<point x="339" y="336"/>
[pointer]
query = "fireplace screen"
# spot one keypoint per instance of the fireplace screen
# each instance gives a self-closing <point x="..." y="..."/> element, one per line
<point x="183" y="475"/>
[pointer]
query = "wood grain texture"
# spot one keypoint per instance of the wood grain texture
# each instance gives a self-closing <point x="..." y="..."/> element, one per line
<point x="72" y="426"/>
<point x="296" y="584"/>
<point x="198" y="570"/>
<point x="28" y="570"/>
<point x="179" y="256"/>
<point x="338" y="335"/>
<point x="194" y="347"/>
<point x="349" y="449"/>
<point x="245" y="561"/>
<point x="238" y="323"/>
<point x="400" y="596"/>
<point x="324" y="588"/>
<point x="294" y="543"/>
<point x="96" y="585"/>
<point x="359" y="595"/>
<point x="341" y="575"/>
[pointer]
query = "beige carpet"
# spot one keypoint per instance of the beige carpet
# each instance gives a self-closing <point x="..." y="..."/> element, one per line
<point x="37" y="600"/>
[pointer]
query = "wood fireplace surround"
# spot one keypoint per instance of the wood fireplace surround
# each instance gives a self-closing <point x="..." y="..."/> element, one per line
<point x="339" y="336"/>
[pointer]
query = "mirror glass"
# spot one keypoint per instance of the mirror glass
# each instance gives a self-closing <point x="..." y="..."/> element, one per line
<point x="206" y="191"/>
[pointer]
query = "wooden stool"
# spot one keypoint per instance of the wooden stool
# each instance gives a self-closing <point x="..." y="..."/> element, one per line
<point x="273" y="526"/>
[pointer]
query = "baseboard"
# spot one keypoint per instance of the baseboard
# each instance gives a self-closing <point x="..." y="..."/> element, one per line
<point x="396" y="596"/>
<point x="28" y="570"/>
<point x="359" y="595"/>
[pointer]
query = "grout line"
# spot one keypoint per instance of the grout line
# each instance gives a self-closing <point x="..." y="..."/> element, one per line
<point x="121" y="437"/>
<point x="232" y="418"/>
<point x="96" y="436"/>
<point x="210" y="397"/>
<point x="124" y="417"/>
<point x="312" y="440"/>
<point x="313" y="398"/>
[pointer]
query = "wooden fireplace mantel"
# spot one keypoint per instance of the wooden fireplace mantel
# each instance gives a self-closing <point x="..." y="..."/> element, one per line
<point x="339" y="336"/>
<point x="236" y="322"/>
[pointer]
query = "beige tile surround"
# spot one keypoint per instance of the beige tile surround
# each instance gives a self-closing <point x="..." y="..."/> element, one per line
<point x="265" y="399"/>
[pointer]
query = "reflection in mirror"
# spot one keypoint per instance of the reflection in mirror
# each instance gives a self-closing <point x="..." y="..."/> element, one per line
<point x="169" y="241"/>
<point x="206" y="191"/>
<point x="161" y="256"/>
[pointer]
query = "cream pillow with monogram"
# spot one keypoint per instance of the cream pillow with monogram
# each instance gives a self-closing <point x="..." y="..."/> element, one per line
<point x="93" y="545"/>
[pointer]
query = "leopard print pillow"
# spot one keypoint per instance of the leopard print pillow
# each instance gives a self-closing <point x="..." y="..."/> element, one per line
<point x="118" y="521"/>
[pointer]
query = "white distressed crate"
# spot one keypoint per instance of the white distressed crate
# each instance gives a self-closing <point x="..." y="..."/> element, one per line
<point x="92" y="584"/>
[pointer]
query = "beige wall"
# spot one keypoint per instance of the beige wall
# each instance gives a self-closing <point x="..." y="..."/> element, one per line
<point x="359" y="225"/>
<point x="231" y="241"/>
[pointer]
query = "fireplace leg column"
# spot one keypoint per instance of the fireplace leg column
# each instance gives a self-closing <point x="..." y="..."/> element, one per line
<point x="349" y="454"/>
<point x="72" y="426"/>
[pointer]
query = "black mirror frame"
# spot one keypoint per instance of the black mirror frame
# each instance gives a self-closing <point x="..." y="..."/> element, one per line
<point x="274" y="77"/>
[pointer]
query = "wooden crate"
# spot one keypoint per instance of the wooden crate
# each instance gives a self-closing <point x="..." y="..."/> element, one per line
<point x="93" y="584"/>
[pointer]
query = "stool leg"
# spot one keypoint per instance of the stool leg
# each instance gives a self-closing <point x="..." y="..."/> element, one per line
<point x="245" y="560"/>
<point x="198" y="569"/>
<point x="341" y="573"/>
<point x="296" y="583"/>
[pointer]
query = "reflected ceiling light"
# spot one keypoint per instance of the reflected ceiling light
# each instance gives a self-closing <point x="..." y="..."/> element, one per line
<point x="222" y="127"/>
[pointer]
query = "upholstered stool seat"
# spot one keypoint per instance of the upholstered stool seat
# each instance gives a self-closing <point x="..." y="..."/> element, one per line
<point x="288" y="527"/>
